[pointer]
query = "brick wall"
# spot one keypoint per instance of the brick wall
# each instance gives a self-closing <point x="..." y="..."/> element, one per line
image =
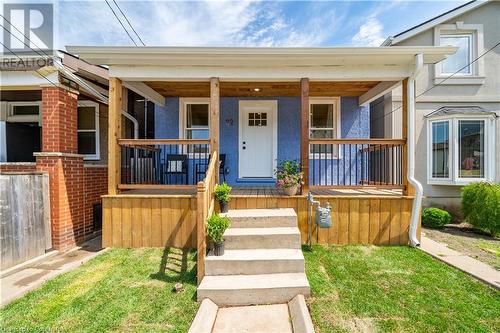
<point x="17" y="167"/>
<point x="66" y="184"/>
<point x="70" y="218"/>
<point x="95" y="185"/>
<point x="59" y="120"/>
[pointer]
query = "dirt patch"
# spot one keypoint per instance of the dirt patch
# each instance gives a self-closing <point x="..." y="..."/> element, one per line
<point x="361" y="325"/>
<point x="481" y="247"/>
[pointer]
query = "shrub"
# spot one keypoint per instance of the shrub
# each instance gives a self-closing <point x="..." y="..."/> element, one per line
<point x="222" y="192"/>
<point x="481" y="206"/>
<point x="435" y="217"/>
<point x="216" y="226"/>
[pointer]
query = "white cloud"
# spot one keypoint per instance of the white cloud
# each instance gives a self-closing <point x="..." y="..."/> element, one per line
<point x="200" y="23"/>
<point x="369" y="34"/>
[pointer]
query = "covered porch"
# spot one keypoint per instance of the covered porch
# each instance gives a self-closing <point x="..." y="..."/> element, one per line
<point x="161" y="190"/>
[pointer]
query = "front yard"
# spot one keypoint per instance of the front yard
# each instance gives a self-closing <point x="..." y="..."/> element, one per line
<point x="395" y="289"/>
<point x="354" y="288"/>
<point x="121" y="290"/>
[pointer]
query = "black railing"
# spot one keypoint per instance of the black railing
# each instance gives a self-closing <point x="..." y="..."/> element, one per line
<point x="356" y="163"/>
<point x="163" y="162"/>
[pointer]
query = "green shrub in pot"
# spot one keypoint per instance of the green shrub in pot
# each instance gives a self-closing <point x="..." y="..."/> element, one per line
<point x="216" y="226"/>
<point x="222" y="194"/>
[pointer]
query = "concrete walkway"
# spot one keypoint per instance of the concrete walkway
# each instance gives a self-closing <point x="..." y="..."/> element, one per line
<point x="253" y="319"/>
<point x="464" y="263"/>
<point x="33" y="276"/>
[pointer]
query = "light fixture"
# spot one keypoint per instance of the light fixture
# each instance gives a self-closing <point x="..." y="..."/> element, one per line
<point x="256" y="89"/>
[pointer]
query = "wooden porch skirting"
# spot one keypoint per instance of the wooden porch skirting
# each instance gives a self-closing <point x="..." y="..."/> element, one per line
<point x="170" y="220"/>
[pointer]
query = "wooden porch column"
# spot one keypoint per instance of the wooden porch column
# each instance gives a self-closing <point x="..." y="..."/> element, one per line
<point x="114" y="133"/>
<point x="408" y="189"/>
<point x="214" y="121"/>
<point x="304" y="131"/>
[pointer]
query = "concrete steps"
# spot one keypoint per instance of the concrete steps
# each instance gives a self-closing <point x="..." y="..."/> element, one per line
<point x="262" y="218"/>
<point x="260" y="261"/>
<point x="262" y="264"/>
<point x="231" y="290"/>
<point x="262" y="238"/>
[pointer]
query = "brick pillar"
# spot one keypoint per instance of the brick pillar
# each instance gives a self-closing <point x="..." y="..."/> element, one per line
<point x="65" y="167"/>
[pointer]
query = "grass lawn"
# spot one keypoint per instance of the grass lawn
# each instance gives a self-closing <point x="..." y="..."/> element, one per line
<point x="120" y="290"/>
<point x="395" y="289"/>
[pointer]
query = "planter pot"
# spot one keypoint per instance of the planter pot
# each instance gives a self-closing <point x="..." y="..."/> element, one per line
<point x="224" y="206"/>
<point x="219" y="248"/>
<point x="291" y="190"/>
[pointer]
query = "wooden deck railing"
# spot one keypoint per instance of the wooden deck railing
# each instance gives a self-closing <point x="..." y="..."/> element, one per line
<point x="162" y="163"/>
<point x="356" y="163"/>
<point x="205" y="205"/>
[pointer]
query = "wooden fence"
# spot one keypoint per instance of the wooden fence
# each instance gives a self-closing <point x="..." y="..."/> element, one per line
<point x="24" y="217"/>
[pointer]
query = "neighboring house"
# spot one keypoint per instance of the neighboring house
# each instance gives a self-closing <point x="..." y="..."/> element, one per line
<point x="54" y="119"/>
<point x="458" y="103"/>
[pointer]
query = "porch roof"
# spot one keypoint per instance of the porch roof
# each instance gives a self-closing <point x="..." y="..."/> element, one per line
<point x="157" y="63"/>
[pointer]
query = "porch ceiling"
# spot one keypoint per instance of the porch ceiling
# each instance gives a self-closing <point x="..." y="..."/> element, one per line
<point x="265" y="89"/>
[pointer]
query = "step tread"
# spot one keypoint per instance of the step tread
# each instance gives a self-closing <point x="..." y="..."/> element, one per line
<point x="256" y="213"/>
<point x="258" y="254"/>
<point x="262" y="231"/>
<point x="260" y="281"/>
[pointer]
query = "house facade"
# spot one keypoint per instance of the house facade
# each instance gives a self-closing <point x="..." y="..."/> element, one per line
<point x="458" y="103"/>
<point x="226" y="113"/>
<point x="54" y="119"/>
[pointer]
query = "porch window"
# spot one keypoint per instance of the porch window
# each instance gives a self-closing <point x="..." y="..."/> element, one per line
<point x="458" y="62"/>
<point x="88" y="130"/>
<point x="324" y="122"/>
<point x="24" y="112"/>
<point x="194" y="118"/>
<point x="461" y="150"/>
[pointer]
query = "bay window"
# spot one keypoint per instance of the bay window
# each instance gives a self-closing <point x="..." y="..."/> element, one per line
<point x="460" y="150"/>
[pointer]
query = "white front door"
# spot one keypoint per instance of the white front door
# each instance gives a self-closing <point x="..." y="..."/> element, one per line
<point x="258" y="138"/>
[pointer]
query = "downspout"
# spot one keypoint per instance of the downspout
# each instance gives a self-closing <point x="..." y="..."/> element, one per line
<point x="417" y="201"/>
<point x="134" y="121"/>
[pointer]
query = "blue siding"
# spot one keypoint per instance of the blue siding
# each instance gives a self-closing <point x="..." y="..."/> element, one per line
<point x="354" y="124"/>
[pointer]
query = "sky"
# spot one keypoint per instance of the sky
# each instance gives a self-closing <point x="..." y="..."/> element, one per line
<point x="243" y="23"/>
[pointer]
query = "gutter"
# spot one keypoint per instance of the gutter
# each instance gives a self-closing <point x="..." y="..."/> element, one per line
<point x="134" y="121"/>
<point x="417" y="201"/>
<point x="100" y="97"/>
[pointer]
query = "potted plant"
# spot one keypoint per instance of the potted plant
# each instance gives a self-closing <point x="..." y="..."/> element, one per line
<point x="222" y="192"/>
<point x="289" y="177"/>
<point x="216" y="226"/>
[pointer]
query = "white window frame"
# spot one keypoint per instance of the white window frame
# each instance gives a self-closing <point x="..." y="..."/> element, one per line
<point x="336" y="126"/>
<point x="477" y="75"/>
<point x="183" y="102"/>
<point x="453" y="158"/>
<point x="470" y="36"/>
<point x="97" y="155"/>
<point x="24" y="118"/>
